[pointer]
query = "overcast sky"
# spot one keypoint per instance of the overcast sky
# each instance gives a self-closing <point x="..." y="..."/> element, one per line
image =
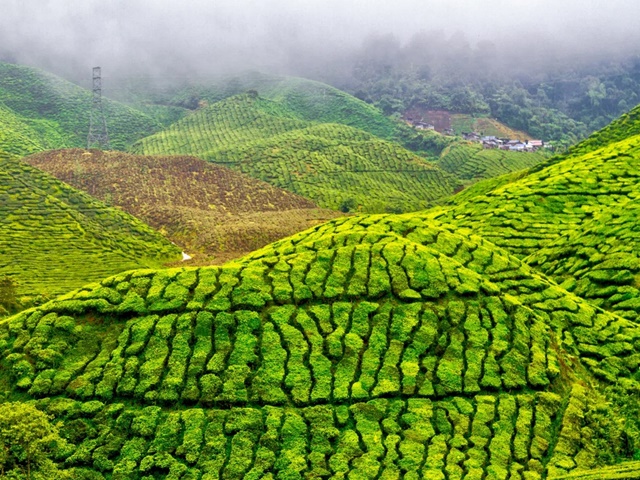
<point x="182" y="36"/>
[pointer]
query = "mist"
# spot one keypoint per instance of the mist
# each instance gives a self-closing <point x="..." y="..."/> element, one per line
<point x="317" y="38"/>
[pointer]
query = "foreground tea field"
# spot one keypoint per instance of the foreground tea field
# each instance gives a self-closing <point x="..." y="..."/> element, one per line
<point x="370" y="347"/>
<point x="54" y="238"/>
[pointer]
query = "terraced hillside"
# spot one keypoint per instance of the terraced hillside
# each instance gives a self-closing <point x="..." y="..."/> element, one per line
<point x="58" y="111"/>
<point x="574" y="218"/>
<point x="471" y="162"/>
<point x="333" y="165"/>
<point x="54" y="238"/>
<point x="202" y="207"/>
<point x="625" y="471"/>
<point x="370" y="347"/>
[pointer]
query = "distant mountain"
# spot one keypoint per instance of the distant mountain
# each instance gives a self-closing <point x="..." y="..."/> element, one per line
<point x="54" y="238"/>
<point x="205" y="208"/>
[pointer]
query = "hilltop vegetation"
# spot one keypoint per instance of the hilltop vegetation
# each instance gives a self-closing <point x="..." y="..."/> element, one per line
<point x="54" y="238"/>
<point x="58" y="111"/>
<point x="305" y="99"/>
<point x="371" y="346"/>
<point x="202" y="207"/>
<point x="333" y="165"/>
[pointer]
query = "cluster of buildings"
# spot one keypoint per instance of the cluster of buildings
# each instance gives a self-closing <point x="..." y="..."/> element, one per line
<point x="493" y="142"/>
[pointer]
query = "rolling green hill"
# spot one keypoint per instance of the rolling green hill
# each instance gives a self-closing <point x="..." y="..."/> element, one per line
<point x="370" y="347"/>
<point x="58" y="111"/>
<point x="471" y="162"/>
<point x="331" y="164"/>
<point x="306" y="99"/>
<point x="212" y="212"/>
<point x="54" y="238"/>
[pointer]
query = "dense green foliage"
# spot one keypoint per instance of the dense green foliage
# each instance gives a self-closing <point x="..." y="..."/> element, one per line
<point x="205" y="208"/>
<point x="379" y="346"/>
<point x="58" y="111"/>
<point x="328" y="163"/>
<point x="27" y="441"/>
<point x="559" y="101"/>
<point x="54" y="238"/>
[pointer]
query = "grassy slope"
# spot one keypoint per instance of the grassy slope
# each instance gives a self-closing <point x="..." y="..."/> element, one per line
<point x="471" y="162"/>
<point x="200" y="206"/>
<point x="54" y="238"/>
<point x="58" y="111"/>
<point x="624" y="471"/>
<point x="327" y="353"/>
<point x="327" y="163"/>
<point x="461" y="123"/>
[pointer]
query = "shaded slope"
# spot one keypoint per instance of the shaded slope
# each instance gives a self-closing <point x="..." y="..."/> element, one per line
<point x="54" y="238"/>
<point x="16" y="137"/>
<point x="58" y="111"/>
<point x="328" y="163"/>
<point x="369" y="347"/>
<point x="200" y="206"/>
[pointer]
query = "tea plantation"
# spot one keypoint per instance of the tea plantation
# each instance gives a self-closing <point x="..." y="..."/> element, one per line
<point x="371" y="347"/>
<point x="496" y="337"/>
<point x="330" y="164"/>
<point x="469" y="161"/>
<point x="54" y="238"/>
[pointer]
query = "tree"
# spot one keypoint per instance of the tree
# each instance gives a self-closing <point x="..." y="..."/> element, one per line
<point x="27" y="439"/>
<point x="348" y="205"/>
<point x="8" y="298"/>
